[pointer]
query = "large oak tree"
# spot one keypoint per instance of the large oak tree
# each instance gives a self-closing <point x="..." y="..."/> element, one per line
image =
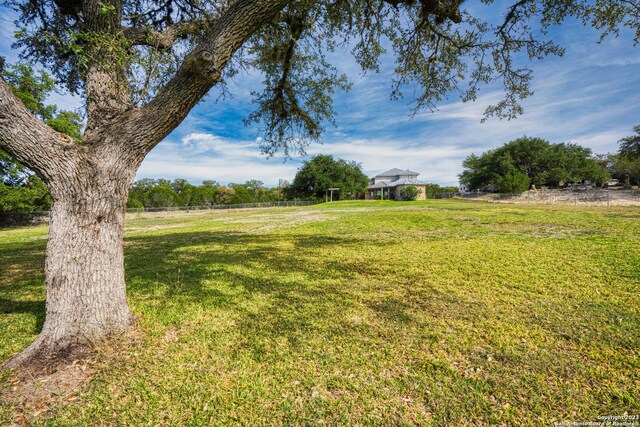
<point x="142" y="65"/>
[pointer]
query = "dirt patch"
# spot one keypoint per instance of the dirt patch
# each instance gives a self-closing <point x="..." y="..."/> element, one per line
<point x="31" y="395"/>
<point x="269" y="221"/>
<point x="156" y="227"/>
<point x="43" y="237"/>
<point x="565" y="197"/>
<point x="414" y="208"/>
<point x="33" y="392"/>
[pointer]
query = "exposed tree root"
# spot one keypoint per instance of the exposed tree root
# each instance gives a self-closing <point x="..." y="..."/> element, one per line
<point x="36" y="387"/>
<point x="40" y="358"/>
<point x="45" y="353"/>
<point x="40" y="378"/>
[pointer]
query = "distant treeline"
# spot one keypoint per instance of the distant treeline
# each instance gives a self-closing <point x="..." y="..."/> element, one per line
<point x="153" y="193"/>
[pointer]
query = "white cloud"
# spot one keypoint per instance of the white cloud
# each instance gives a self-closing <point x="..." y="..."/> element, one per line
<point x="199" y="156"/>
<point x="208" y="143"/>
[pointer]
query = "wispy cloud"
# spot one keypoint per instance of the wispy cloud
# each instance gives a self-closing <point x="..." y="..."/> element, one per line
<point x="200" y="155"/>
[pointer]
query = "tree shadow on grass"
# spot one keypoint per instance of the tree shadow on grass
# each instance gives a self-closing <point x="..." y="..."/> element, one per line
<point x="300" y="279"/>
<point x="283" y="286"/>
<point x="35" y="308"/>
<point x="21" y="285"/>
<point x="20" y="261"/>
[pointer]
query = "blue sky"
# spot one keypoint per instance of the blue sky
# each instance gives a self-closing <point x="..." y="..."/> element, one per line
<point x="591" y="97"/>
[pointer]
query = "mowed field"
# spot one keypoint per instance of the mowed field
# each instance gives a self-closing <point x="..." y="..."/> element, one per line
<point x="444" y="313"/>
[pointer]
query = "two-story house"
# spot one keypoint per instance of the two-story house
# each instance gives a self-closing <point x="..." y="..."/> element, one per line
<point x="388" y="185"/>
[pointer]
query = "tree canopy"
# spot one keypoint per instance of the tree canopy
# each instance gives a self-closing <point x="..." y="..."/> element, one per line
<point x="441" y="48"/>
<point x="323" y="172"/>
<point x="630" y="146"/>
<point x="515" y="165"/>
<point x="625" y="165"/>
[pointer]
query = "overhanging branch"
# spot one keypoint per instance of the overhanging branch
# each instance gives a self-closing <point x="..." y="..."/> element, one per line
<point x="28" y="139"/>
<point x="201" y="69"/>
<point x="511" y="15"/>
<point x="441" y="9"/>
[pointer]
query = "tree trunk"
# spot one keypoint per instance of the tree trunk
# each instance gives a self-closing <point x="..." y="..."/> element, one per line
<point x="89" y="181"/>
<point x="84" y="268"/>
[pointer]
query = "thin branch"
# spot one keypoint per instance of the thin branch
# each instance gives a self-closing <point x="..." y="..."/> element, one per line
<point x="201" y="69"/>
<point x="512" y="13"/>
<point x="144" y="36"/>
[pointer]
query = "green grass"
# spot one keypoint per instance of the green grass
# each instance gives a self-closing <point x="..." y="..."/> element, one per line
<point x="382" y="313"/>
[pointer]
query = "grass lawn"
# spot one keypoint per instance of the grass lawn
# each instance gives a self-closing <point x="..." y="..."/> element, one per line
<point x="384" y="313"/>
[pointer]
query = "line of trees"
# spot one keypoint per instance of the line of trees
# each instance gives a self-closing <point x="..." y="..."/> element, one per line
<point x="515" y="166"/>
<point x="152" y="193"/>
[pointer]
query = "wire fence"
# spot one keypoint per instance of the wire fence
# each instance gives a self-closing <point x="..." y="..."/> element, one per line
<point x="595" y="197"/>
<point x="280" y="204"/>
<point x="8" y="219"/>
<point x="565" y="197"/>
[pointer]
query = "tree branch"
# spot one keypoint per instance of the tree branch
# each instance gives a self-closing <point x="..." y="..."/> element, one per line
<point x="143" y="36"/>
<point x="442" y="10"/>
<point x="201" y="69"/>
<point x="512" y="13"/>
<point x="28" y="139"/>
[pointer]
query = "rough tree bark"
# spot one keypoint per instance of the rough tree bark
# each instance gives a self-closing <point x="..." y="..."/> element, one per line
<point x="89" y="181"/>
<point x="84" y="268"/>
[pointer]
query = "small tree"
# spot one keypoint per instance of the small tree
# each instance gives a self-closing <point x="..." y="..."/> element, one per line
<point x="161" y="196"/>
<point x="410" y="192"/>
<point x="322" y="172"/>
<point x="626" y="169"/>
<point x="627" y="162"/>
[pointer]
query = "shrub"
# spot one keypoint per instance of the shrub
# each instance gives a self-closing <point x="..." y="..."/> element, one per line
<point x="134" y="204"/>
<point x="513" y="182"/>
<point x="410" y="192"/>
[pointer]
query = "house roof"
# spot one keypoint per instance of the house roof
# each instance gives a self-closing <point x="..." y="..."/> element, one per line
<point x="396" y="172"/>
<point x="405" y="181"/>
